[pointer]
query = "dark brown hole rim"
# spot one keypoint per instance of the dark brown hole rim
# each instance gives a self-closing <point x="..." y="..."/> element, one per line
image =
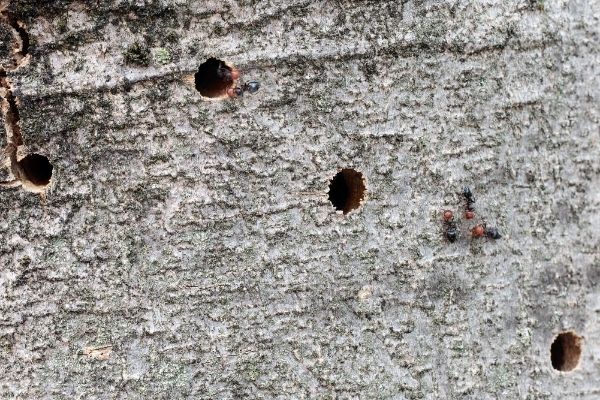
<point x="37" y="169"/>
<point x="565" y="351"/>
<point x="213" y="78"/>
<point x="347" y="190"/>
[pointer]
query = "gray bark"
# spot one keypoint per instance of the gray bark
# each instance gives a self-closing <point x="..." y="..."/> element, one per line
<point x="188" y="248"/>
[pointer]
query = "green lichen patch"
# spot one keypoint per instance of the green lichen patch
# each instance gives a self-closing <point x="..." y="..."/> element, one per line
<point x="162" y="56"/>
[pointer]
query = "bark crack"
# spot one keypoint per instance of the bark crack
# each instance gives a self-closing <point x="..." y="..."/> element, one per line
<point x="21" y="48"/>
<point x="20" y="57"/>
<point x="33" y="172"/>
<point x="10" y="111"/>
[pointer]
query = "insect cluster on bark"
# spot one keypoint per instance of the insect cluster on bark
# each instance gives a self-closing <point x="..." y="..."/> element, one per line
<point x="480" y="230"/>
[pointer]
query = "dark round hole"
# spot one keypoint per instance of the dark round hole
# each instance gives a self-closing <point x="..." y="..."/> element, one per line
<point x="213" y="78"/>
<point x="347" y="190"/>
<point x="565" y="351"/>
<point x="37" y="169"/>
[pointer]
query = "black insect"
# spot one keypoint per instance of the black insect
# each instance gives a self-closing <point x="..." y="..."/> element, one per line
<point x="468" y="195"/>
<point x="451" y="231"/>
<point x="251" y="87"/>
<point x="224" y="72"/>
<point x="492" y="233"/>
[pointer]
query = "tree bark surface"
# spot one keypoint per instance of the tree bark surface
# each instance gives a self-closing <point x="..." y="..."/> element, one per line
<point x="188" y="249"/>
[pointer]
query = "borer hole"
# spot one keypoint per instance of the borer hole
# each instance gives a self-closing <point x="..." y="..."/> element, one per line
<point x="37" y="169"/>
<point x="565" y="351"/>
<point x="347" y="190"/>
<point x="213" y="78"/>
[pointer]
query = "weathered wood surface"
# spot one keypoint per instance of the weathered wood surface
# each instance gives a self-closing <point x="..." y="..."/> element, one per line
<point x="188" y="248"/>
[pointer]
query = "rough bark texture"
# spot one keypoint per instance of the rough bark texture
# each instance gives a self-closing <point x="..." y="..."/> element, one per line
<point x="188" y="248"/>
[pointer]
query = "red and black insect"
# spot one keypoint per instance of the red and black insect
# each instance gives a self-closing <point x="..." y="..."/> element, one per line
<point x="470" y="201"/>
<point x="451" y="230"/>
<point x="234" y="91"/>
<point x="226" y="73"/>
<point x="448" y="215"/>
<point x="478" y="231"/>
<point x="481" y="230"/>
<point x="250" y="87"/>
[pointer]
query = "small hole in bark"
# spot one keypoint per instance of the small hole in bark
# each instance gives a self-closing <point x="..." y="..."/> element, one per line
<point x="565" y="351"/>
<point x="347" y="190"/>
<point x="37" y="169"/>
<point x="214" y="77"/>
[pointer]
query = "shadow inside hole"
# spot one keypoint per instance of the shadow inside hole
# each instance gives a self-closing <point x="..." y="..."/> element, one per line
<point x="347" y="190"/>
<point x="213" y="78"/>
<point x="37" y="169"/>
<point x="565" y="351"/>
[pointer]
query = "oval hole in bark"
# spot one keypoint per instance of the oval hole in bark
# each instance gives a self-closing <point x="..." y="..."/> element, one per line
<point x="565" y="351"/>
<point x="213" y="78"/>
<point x="37" y="169"/>
<point x="347" y="190"/>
